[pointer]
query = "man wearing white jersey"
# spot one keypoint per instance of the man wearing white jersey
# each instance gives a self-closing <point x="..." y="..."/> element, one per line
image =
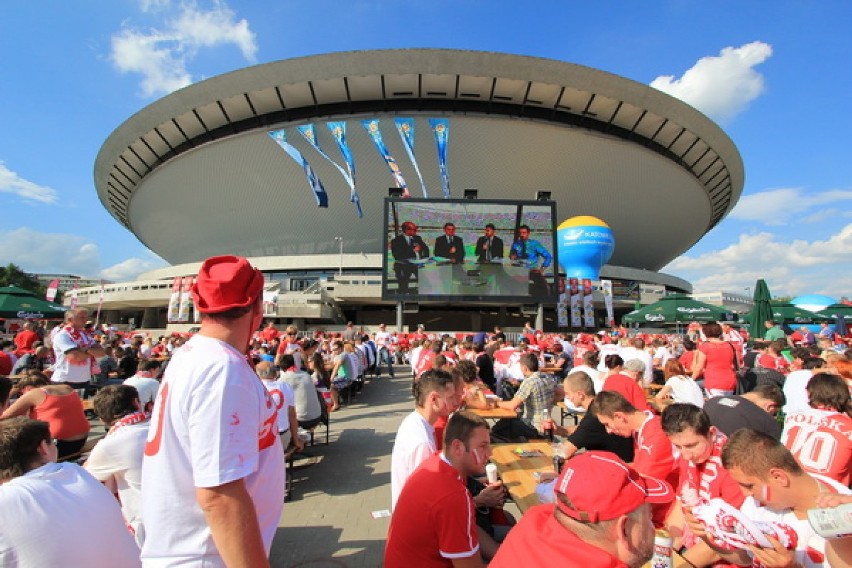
<point x="213" y="474"/>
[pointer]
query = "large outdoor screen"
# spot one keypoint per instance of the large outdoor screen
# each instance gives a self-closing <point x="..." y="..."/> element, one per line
<point x="469" y="249"/>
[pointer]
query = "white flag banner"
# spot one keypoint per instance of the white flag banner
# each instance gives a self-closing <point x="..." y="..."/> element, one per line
<point x="606" y="287"/>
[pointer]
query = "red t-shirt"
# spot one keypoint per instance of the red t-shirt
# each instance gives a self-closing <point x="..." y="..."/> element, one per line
<point x="424" y="362"/>
<point x="5" y="363"/>
<point x="686" y="360"/>
<point x="434" y="520"/>
<point x="719" y="365"/>
<point x="539" y="540"/>
<point x="24" y="342"/>
<point x="628" y="388"/>
<point x="440" y="425"/>
<point x="269" y="333"/>
<point x="652" y="456"/>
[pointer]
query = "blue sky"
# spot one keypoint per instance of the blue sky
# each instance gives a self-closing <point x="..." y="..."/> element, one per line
<point x="775" y="75"/>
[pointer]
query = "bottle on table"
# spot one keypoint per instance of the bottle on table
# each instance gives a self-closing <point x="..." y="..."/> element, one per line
<point x="547" y="424"/>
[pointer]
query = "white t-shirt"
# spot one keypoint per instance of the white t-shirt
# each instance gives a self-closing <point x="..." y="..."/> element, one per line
<point x="663" y="354"/>
<point x="383" y="339"/>
<point x="59" y="515"/>
<point x="147" y="388"/>
<point x="684" y="389"/>
<point x="65" y="370"/>
<point x="116" y="461"/>
<point x="795" y="390"/>
<point x="811" y="546"/>
<point x="284" y="398"/>
<point x="414" y="443"/>
<point x="413" y="357"/>
<point x="213" y="423"/>
<point x="597" y="377"/>
<point x="605" y="349"/>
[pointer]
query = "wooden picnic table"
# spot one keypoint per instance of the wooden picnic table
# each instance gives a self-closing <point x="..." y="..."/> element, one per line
<point x="516" y="472"/>
<point x="494" y="413"/>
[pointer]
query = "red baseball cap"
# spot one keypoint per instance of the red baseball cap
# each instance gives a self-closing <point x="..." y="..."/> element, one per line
<point x="225" y="283"/>
<point x="597" y="486"/>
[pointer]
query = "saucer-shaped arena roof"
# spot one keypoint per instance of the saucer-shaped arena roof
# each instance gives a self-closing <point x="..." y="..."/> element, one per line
<point x="196" y="174"/>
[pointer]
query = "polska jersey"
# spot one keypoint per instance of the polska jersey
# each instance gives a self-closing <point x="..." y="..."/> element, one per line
<point x="821" y="440"/>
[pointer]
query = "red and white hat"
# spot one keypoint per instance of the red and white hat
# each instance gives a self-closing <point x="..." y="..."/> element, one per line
<point x="225" y="283"/>
<point x="597" y="486"/>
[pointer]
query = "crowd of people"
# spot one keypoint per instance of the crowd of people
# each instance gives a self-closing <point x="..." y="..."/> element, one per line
<point x="191" y="469"/>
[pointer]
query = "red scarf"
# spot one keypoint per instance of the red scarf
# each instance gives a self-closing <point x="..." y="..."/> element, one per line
<point x="79" y="337"/>
<point x="130" y="419"/>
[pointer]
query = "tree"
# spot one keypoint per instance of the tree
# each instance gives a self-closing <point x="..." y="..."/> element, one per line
<point x="12" y="275"/>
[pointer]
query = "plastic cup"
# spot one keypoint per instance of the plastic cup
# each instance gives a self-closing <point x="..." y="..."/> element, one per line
<point x="491" y="472"/>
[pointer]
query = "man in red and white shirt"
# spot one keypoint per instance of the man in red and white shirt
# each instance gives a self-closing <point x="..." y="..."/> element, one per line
<point x="820" y="437"/>
<point x="652" y="450"/>
<point x="701" y="474"/>
<point x="213" y="473"/>
<point x="598" y="497"/>
<point x="434" y="522"/>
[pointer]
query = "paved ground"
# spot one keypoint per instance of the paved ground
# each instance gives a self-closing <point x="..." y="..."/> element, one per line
<point x="328" y="522"/>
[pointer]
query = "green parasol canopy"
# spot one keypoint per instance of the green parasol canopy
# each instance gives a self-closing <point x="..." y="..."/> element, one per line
<point x="832" y="311"/>
<point x="18" y="303"/>
<point x="789" y="314"/>
<point x="678" y="308"/>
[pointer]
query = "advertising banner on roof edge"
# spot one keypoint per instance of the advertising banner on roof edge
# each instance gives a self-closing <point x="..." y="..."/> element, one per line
<point x="405" y="127"/>
<point x="280" y="137"/>
<point x="308" y="133"/>
<point x="441" y="128"/>
<point x="372" y="128"/>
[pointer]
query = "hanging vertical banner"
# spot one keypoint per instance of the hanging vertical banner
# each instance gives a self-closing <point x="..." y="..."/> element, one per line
<point x="174" y="301"/>
<point x="574" y="293"/>
<point x="338" y="132"/>
<point x="74" y="296"/>
<point x="280" y="137"/>
<point x="562" y="305"/>
<point x="185" y="304"/>
<point x="372" y="128"/>
<point x="405" y="126"/>
<point x="100" y="304"/>
<point x="606" y="286"/>
<point x="441" y="128"/>
<point x="311" y="136"/>
<point x="52" y="288"/>
<point x="588" y="305"/>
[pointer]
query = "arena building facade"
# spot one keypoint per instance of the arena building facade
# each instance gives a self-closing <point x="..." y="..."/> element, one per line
<point x="196" y="174"/>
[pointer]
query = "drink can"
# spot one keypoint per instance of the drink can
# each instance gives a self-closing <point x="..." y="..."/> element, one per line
<point x="663" y="553"/>
<point x="835" y="522"/>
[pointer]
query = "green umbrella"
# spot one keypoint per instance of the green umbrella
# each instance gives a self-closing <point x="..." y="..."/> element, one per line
<point x="678" y="308"/>
<point x="789" y="314"/>
<point x="761" y="311"/>
<point x="18" y="303"/>
<point x="832" y="311"/>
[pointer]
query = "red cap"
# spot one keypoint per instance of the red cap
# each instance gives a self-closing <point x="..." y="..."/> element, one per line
<point x="225" y="283"/>
<point x="597" y="486"/>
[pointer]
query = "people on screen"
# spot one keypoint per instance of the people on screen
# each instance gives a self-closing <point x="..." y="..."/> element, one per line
<point x="529" y="251"/>
<point x="407" y="247"/>
<point x="489" y="247"/>
<point x="449" y="245"/>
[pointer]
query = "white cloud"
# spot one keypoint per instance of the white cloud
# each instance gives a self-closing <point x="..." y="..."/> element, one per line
<point x="790" y="267"/>
<point x="721" y="86"/>
<point x="64" y="253"/>
<point x="10" y="182"/>
<point x="161" y="55"/>
<point x="130" y="269"/>
<point x="779" y="206"/>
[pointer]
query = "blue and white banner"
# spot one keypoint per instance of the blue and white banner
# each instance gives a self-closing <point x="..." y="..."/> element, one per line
<point x="441" y="128"/>
<point x="280" y="136"/>
<point x="372" y="128"/>
<point x="308" y="132"/>
<point x="338" y="132"/>
<point x="405" y="126"/>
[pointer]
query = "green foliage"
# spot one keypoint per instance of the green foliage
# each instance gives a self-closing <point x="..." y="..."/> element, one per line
<point x="12" y="275"/>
